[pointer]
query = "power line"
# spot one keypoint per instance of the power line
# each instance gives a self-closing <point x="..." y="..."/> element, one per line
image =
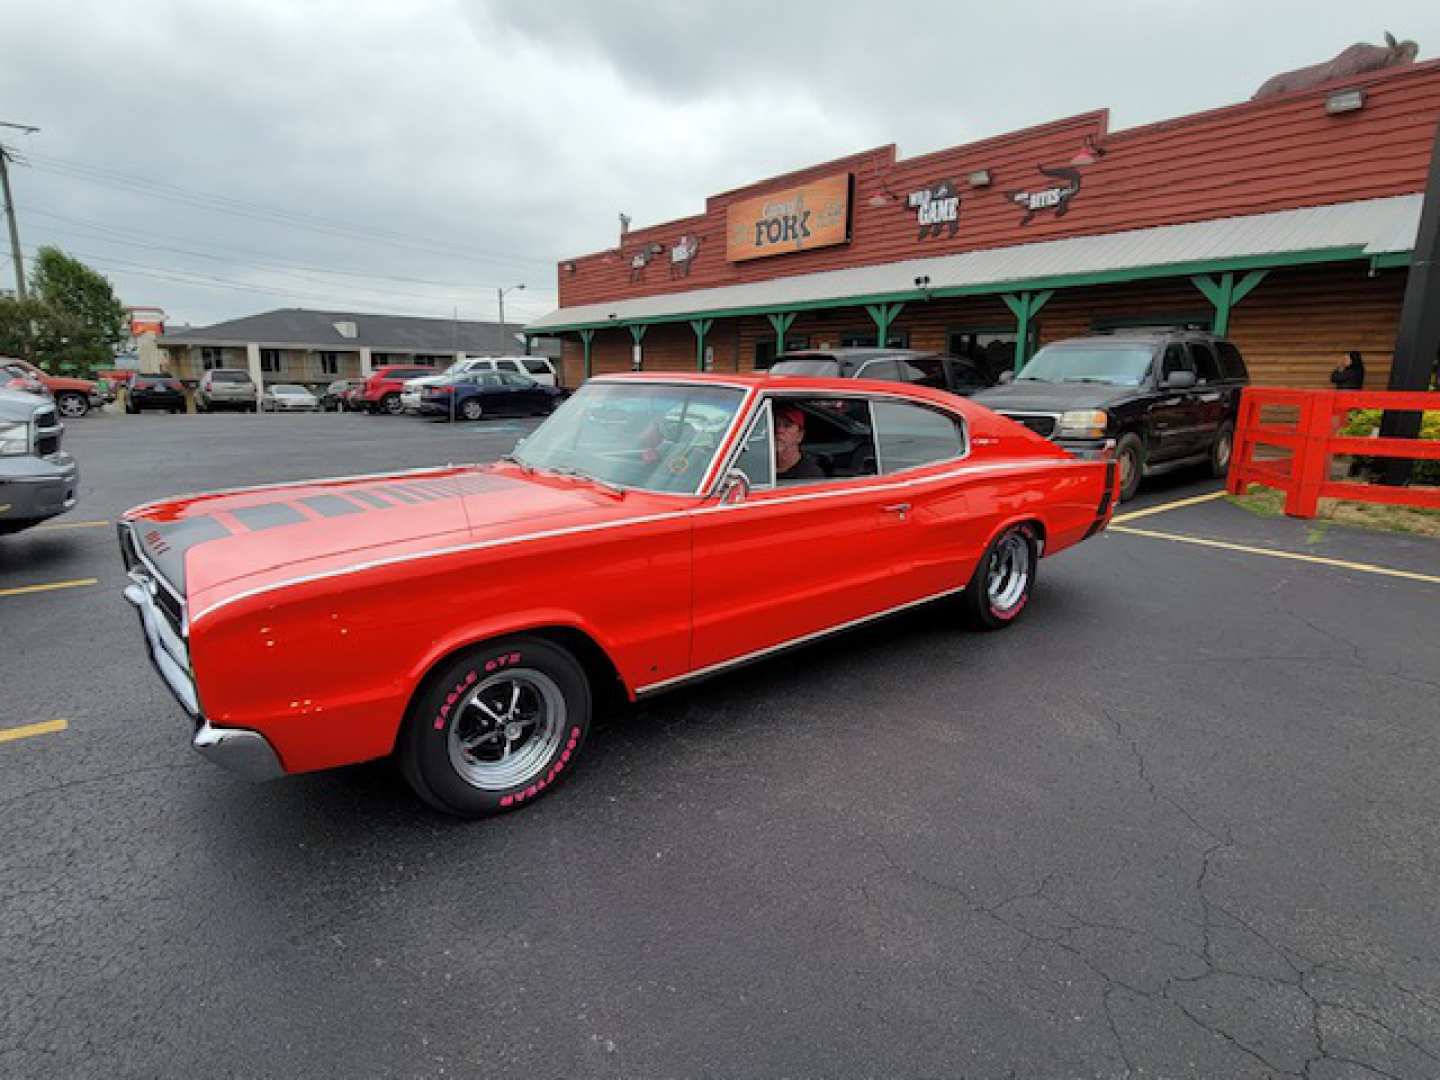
<point x="257" y="211"/>
<point x="123" y="235"/>
<point x="205" y="281"/>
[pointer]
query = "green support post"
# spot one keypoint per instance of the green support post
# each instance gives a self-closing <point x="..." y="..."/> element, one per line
<point x="1225" y="293"/>
<point x="637" y="335"/>
<point x="1025" y="307"/>
<point x="781" y="324"/>
<point x="701" y="328"/>
<point x="586" y="337"/>
<point x="884" y="316"/>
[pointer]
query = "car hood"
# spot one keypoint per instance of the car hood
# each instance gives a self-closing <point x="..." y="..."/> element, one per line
<point x="1051" y="397"/>
<point x="204" y="543"/>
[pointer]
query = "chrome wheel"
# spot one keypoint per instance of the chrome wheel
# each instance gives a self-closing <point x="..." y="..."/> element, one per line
<point x="507" y="729"/>
<point x="393" y="405"/>
<point x="472" y="410"/>
<point x="1009" y="577"/>
<point x="72" y="406"/>
<point x="1224" y="447"/>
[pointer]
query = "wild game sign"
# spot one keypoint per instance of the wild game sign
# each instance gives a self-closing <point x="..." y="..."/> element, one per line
<point x="812" y="215"/>
<point x="937" y="209"/>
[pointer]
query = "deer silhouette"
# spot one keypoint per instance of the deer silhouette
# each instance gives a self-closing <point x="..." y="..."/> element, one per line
<point x="1356" y="60"/>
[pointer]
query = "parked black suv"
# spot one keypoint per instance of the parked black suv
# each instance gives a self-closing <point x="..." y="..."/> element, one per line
<point x="1168" y="397"/>
<point x="940" y="370"/>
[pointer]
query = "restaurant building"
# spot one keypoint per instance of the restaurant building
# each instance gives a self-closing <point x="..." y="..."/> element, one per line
<point x="1285" y="223"/>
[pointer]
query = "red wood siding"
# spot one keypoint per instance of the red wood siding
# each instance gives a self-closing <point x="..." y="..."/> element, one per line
<point x="1244" y="159"/>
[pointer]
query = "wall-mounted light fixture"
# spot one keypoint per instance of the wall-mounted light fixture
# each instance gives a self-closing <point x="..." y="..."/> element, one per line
<point x="923" y="284"/>
<point x="568" y="267"/>
<point x="1343" y="101"/>
<point x="979" y="178"/>
<point x="1089" y="153"/>
<point x="656" y="249"/>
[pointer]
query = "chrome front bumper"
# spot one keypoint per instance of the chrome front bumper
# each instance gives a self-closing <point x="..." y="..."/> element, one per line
<point x="239" y="750"/>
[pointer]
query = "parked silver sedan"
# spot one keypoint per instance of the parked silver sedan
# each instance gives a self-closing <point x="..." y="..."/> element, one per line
<point x="288" y="397"/>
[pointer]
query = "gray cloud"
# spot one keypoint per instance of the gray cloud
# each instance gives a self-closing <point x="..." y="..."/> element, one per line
<point x="497" y="137"/>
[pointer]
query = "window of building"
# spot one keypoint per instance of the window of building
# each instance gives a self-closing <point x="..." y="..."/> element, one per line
<point x="330" y="363"/>
<point x="909" y="436"/>
<point x="270" y="360"/>
<point x="765" y="349"/>
<point x="1160" y="320"/>
<point x="899" y="339"/>
<point x="990" y="350"/>
<point x="212" y="358"/>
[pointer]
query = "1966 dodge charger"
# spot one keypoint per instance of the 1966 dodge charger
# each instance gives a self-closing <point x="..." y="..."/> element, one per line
<point x="465" y="618"/>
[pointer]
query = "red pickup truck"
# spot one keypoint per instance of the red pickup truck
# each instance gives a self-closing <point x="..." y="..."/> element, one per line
<point x="381" y="392"/>
<point x="73" y="397"/>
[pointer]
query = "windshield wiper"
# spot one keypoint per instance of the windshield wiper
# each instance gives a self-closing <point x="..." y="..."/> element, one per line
<point x="574" y="473"/>
<point x="1087" y="379"/>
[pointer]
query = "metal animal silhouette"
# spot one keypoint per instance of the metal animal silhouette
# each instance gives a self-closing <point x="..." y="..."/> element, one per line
<point x="1052" y="198"/>
<point x="682" y="255"/>
<point x="1356" y="60"/>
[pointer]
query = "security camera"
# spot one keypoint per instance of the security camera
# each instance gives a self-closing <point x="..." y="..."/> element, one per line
<point x="923" y="281"/>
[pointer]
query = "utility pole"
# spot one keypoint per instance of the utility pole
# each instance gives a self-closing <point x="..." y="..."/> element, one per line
<point x="500" y="296"/>
<point x="10" y="209"/>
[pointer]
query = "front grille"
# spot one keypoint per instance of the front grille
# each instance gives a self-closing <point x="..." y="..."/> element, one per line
<point x="47" y="445"/>
<point x="46" y="418"/>
<point x="167" y="602"/>
<point x="1040" y="423"/>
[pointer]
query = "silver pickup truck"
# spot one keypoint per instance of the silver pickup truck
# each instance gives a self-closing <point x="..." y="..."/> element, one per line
<point x="37" y="479"/>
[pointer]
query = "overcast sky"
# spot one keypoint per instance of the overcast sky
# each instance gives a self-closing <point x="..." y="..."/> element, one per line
<point x="218" y="159"/>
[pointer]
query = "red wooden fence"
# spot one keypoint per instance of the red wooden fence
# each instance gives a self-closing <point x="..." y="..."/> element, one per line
<point x="1310" y="433"/>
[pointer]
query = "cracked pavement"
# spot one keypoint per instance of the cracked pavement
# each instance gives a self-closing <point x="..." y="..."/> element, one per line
<point x="1179" y="822"/>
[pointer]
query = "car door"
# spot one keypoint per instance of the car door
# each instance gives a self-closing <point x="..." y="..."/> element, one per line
<point x="793" y="560"/>
<point x="526" y="397"/>
<point x="1172" y="411"/>
<point x="1208" y="395"/>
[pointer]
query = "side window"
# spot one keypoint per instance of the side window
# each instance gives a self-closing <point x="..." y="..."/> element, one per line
<point x="756" y="458"/>
<point x="508" y="365"/>
<point x="1206" y="369"/>
<point x="923" y="371"/>
<point x="880" y="369"/>
<point x="537" y="367"/>
<point x="1230" y="362"/>
<point x="1175" y="360"/>
<point x="912" y="435"/>
<point x="488" y="379"/>
<point x="520" y="382"/>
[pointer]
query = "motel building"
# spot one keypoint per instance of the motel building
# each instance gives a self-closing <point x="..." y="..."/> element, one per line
<point x="1285" y="223"/>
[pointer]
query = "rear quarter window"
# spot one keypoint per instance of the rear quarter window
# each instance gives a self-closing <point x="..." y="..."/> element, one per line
<point x="1232" y="367"/>
<point x="909" y="436"/>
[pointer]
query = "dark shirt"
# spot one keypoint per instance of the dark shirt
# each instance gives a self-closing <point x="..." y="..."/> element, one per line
<point x="807" y="468"/>
<point x="1348" y="378"/>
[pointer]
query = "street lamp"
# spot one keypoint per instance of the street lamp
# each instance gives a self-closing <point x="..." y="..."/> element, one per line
<point x="500" y="296"/>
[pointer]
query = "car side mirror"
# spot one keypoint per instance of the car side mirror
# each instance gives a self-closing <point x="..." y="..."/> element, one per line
<point x="1006" y="377"/>
<point x="1180" y="380"/>
<point x="735" y="488"/>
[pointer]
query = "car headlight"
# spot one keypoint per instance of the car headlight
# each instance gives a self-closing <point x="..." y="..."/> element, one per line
<point x="1083" y="424"/>
<point x="15" y="438"/>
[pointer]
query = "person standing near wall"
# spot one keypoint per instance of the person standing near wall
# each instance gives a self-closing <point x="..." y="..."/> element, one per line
<point x="1350" y="375"/>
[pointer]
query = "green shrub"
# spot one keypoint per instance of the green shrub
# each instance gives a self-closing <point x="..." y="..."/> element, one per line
<point x="1361" y="423"/>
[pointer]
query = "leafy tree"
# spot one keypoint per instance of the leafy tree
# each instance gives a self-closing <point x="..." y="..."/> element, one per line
<point x="78" y="322"/>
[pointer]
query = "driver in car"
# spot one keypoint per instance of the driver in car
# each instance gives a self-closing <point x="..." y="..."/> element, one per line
<point x="791" y="462"/>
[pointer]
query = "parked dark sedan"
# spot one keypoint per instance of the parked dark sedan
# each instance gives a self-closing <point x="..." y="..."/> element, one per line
<point x="940" y="370"/>
<point x="155" y="392"/>
<point x="337" y="396"/>
<point x="477" y="394"/>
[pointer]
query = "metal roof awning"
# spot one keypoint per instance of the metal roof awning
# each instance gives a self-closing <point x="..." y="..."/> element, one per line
<point x="1378" y="229"/>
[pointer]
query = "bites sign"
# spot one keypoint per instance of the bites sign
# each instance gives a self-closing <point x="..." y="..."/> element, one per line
<point x="810" y="216"/>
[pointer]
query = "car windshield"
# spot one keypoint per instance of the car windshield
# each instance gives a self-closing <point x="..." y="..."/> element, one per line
<point x="287" y="388"/>
<point x="229" y="376"/>
<point x="805" y="367"/>
<point x="1124" y="365"/>
<point x="656" y="437"/>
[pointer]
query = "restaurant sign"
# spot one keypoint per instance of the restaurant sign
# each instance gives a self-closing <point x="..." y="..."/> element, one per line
<point x="813" y="215"/>
<point x="937" y="209"/>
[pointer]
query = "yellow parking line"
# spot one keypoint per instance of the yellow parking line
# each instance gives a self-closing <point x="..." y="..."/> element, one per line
<point x="27" y="730"/>
<point x="71" y="525"/>
<point x="49" y="586"/>
<point x="1120" y="519"/>
<point x="1275" y="553"/>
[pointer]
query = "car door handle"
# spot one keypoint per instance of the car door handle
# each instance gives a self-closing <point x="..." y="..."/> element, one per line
<point x="897" y="508"/>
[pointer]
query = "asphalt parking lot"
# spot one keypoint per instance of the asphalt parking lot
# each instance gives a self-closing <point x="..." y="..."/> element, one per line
<point x="1181" y="821"/>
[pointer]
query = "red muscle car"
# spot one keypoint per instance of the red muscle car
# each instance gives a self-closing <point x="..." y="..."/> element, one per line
<point x="466" y="618"/>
